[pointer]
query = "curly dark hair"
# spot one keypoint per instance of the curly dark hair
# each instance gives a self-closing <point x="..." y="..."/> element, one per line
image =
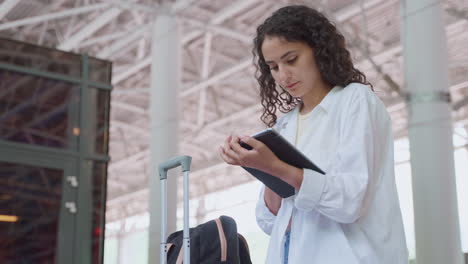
<point x="298" y="23"/>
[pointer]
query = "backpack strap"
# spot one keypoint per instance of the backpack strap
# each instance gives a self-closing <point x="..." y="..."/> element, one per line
<point x="168" y="246"/>
<point x="180" y="257"/>
<point x="222" y="239"/>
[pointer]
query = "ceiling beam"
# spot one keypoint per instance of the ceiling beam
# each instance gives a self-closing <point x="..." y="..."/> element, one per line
<point x="103" y="38"/>
<point x="52" y="16"/>
<point x="181" y="5"/>
<point x="143" y="64"/>
<point x="128" y="40"/>
<point x="131" y="91"/>
<point x="226" y="13"/>
<point x="90" y="29"/>
<point x="216" y="29"/>
<point x="231" y="10"/>
<point x="129" y="159"/>
<point x="131" y="70"/>
<point x="459" y="86"/>
<point x="129" y="128"/>
<point x="459" y="104"/>
<point x="132" y="5"/>
<point x="228" y="72"/>
<point x="7" y="6"/>
<point x="193" y="149"/>
<point x="223" y="15"/>
<point x="193" y="34"/>
<point x="205" y="67"/>
<point x="246" y="112"/>
<point x="130" y="107"/>
<point x="354" y="9"/>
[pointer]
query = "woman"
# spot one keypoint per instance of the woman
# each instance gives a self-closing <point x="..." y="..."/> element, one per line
<point x="351" y="214"/>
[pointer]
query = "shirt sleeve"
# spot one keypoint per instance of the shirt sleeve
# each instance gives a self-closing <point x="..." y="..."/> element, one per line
<point x="265" y="218"/>
<point x="340" y="193"/>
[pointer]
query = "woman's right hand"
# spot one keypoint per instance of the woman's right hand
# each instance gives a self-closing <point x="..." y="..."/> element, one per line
<point x="227" y="153"/>
<point x="258" y="156"/>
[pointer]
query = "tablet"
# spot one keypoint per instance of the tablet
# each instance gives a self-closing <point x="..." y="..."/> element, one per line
<point x="286" y="152"/>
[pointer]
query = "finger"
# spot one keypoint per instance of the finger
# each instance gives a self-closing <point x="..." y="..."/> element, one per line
<point x="224" y="148"/>
<point x="235" y="140"/>
<point x="221" y="148"/>
<point x="227" y="140"/>
<point x="231" y="153"/>
<point x="227" y="144"/>
<point x="251" y="142"/>
<point x="223" y="154"/>
<point x="226" y="158"/>
<point x="236" y="147"/>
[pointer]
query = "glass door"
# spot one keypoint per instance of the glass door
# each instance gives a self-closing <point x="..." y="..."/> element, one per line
<point x="37" y="207"/>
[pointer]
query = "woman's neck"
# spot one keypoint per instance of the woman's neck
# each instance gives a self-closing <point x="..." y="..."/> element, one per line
<point x="312" y="99"/>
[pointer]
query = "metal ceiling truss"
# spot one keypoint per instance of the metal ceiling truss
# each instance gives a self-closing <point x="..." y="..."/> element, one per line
<point x="218" y="88"/>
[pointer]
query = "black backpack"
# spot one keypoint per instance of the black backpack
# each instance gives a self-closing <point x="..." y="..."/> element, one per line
<point x="215" y="241"/>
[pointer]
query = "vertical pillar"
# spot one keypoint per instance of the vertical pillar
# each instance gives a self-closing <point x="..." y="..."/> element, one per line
<point x="163" y="117"/>
<point x="430" y="133"/>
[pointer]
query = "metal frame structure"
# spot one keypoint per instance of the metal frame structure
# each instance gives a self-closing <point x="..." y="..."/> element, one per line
<point x="218" y="88"/>
<point x="75" y="225"/>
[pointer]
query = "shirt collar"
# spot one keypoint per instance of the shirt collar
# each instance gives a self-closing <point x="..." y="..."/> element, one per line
<point x="328" y="101"/>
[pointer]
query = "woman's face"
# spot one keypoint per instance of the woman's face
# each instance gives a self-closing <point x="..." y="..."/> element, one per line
<point x="292" y="65"/>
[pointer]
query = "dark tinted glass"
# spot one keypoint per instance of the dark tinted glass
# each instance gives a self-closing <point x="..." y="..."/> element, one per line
<point x="99" y="70"/>
<point x="39" y="58"/>
<point x="38" y="111"/>
<point x="29" y="208"/>
<point x="99" y="198"/>
<point x="100" y="105"/>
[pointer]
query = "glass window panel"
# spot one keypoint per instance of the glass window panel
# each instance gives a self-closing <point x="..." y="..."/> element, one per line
<point x="38" y="110"/>
<point x="101" y="107"/>
<point x="100" y="70"/>
<point x="99" y="202"/>
<point x="41" y="58"/>
<point x="32" y="196"/>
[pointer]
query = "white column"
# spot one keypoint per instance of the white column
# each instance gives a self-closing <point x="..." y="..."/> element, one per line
<point x="430" y="133"/>
<point x="163" y="111"/>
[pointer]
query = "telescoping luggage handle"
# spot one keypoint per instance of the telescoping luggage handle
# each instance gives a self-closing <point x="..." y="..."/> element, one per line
<point x="184" y="162"/>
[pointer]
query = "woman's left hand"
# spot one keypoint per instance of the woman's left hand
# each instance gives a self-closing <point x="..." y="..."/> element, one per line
<point x="259" y="157"/>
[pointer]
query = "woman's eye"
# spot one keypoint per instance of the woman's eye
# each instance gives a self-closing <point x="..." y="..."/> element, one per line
<point x="292" y="60"/>
<point x="273" y="68"/>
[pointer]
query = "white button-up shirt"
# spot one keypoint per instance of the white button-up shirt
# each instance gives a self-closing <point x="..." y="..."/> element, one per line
<point x="351" y="214"/>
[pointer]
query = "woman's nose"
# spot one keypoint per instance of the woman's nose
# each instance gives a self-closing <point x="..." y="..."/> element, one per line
<point x="285" y="76"/>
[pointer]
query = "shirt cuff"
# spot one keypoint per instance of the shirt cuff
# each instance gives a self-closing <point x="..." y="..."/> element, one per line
<point x="265" y="218"/>
<point x="262" y="208"/>
<point x="310" y="192"/>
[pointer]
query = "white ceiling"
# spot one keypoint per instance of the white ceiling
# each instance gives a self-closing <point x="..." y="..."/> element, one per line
<point x="218" y="90"/>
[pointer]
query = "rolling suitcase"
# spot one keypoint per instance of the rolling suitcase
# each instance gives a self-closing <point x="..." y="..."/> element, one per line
<point x="215" y="241"/>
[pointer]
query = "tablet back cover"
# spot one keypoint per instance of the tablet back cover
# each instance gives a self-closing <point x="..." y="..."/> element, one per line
<point x="286" y="152"/>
